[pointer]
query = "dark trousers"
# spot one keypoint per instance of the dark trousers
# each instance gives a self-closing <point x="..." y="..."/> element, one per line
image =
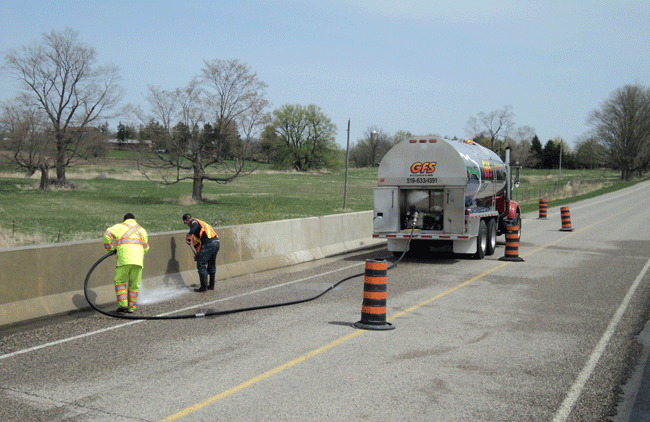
<point x="206" y="259"/>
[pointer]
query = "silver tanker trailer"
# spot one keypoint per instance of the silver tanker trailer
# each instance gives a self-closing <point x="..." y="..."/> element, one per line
<point x="432" y="191"/>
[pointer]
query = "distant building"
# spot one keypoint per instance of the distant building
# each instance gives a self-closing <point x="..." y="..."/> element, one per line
<point x="130" y="143"/>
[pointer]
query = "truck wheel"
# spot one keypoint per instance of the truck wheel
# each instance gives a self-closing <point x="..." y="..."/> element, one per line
<point x="481" y="241"/>
<point x="491" y="237"/>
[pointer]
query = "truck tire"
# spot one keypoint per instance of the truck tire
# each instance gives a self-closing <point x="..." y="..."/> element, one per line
<point x="491" y="237"/>
<point x="481" y="240"/>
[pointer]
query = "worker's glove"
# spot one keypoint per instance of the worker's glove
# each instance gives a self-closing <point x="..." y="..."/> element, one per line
<point x="196" y="257"/>
<point x="188" y="239"/>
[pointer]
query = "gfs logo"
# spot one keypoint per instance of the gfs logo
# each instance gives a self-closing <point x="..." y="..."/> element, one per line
<point x="423" y="168"/>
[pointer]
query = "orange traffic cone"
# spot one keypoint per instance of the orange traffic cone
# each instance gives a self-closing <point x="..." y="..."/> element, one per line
<point x="373" y="307"/>
<point x="566" y="220"/>
<point x="543" y="209"/>
<point x="512" y="245"/>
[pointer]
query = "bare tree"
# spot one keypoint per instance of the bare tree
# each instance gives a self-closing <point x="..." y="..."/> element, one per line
<point x="164" y="105"/>
<point x="400" y="135"/>
<point x="494" y="127"/>
<point x="524" y="133"/>
<point x="27" y="141"/>
<point x="622" y="128"/>
<point x="60" y="74"/>
<point x="369" y="150"/>
<point x="520" y="147"/>
<point x="252" y="122"/>
<point x="189" y="143"/>
<point x="176" y="142"/>
<point x="235" y="95"/>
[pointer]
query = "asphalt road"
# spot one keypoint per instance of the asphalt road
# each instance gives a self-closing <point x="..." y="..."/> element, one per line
<point x="552" y="338"/>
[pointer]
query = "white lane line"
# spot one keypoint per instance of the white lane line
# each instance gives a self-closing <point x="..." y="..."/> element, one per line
<point x="576" y="390"/>
<point x="65" y="340"/>
<point x="103" y="330"/>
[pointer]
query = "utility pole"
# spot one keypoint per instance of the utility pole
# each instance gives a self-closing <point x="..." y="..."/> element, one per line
<point x="347" y="155"/>
<point x="559" y="173"/>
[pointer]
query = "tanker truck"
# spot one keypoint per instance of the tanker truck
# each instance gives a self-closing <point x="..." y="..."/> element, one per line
<point x="436" y="192"/>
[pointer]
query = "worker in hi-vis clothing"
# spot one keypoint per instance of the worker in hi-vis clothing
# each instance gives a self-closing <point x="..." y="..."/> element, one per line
<point x="205" y="242"/>
<point x="132" y="243"/>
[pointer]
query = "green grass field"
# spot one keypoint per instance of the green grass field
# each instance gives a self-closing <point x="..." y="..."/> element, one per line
<point x="109" y="188"/>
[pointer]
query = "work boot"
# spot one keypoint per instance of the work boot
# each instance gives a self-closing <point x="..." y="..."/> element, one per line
<point x="122" y="310"/>
<point x="204" y="284"/>
<point x="211" y="285"/>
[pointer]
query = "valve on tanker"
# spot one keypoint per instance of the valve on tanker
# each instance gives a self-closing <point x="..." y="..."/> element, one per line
<point x="414" y="220"/>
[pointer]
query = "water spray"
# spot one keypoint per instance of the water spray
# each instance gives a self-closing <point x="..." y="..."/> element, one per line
<point x="218" y="313"/>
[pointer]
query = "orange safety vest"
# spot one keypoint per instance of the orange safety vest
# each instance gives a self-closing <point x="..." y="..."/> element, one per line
<point x="196" y="240"/>
<point x="132" y="242"/>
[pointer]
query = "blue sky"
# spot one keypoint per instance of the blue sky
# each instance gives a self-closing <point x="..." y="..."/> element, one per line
<point x="425" y="66"/>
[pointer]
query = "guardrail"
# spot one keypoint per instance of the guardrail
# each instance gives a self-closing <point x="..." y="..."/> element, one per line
<point x="38" y="281"/>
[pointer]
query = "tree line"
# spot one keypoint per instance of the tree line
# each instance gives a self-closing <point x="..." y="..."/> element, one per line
<point x="619" y="138"/>
<point x="209" y="129"/>
<point x="204" y="131"/>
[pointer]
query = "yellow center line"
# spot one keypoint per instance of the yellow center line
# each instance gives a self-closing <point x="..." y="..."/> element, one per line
<point x="471" y="280"/>
<point x="342" y="340"/>
<point x="453" y="289"/>
<point x="313" y="353"/>
<point x="259" y="378"/>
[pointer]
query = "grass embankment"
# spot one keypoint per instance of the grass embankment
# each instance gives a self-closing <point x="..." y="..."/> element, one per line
<point x="572" y="186"/>
<point x="105" y="190"/>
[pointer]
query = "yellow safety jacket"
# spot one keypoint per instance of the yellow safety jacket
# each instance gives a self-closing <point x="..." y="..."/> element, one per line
<point x="194" y="239"/>
<point x="132" y="242"/>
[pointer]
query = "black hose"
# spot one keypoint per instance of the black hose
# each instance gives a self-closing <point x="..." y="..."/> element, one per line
<point x="199" y="315"/>
<point x="216" y="313"/>
<point x="407" y="245"/>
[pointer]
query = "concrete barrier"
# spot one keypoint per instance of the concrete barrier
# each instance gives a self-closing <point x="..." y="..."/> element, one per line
<point x="38" y="281"/>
